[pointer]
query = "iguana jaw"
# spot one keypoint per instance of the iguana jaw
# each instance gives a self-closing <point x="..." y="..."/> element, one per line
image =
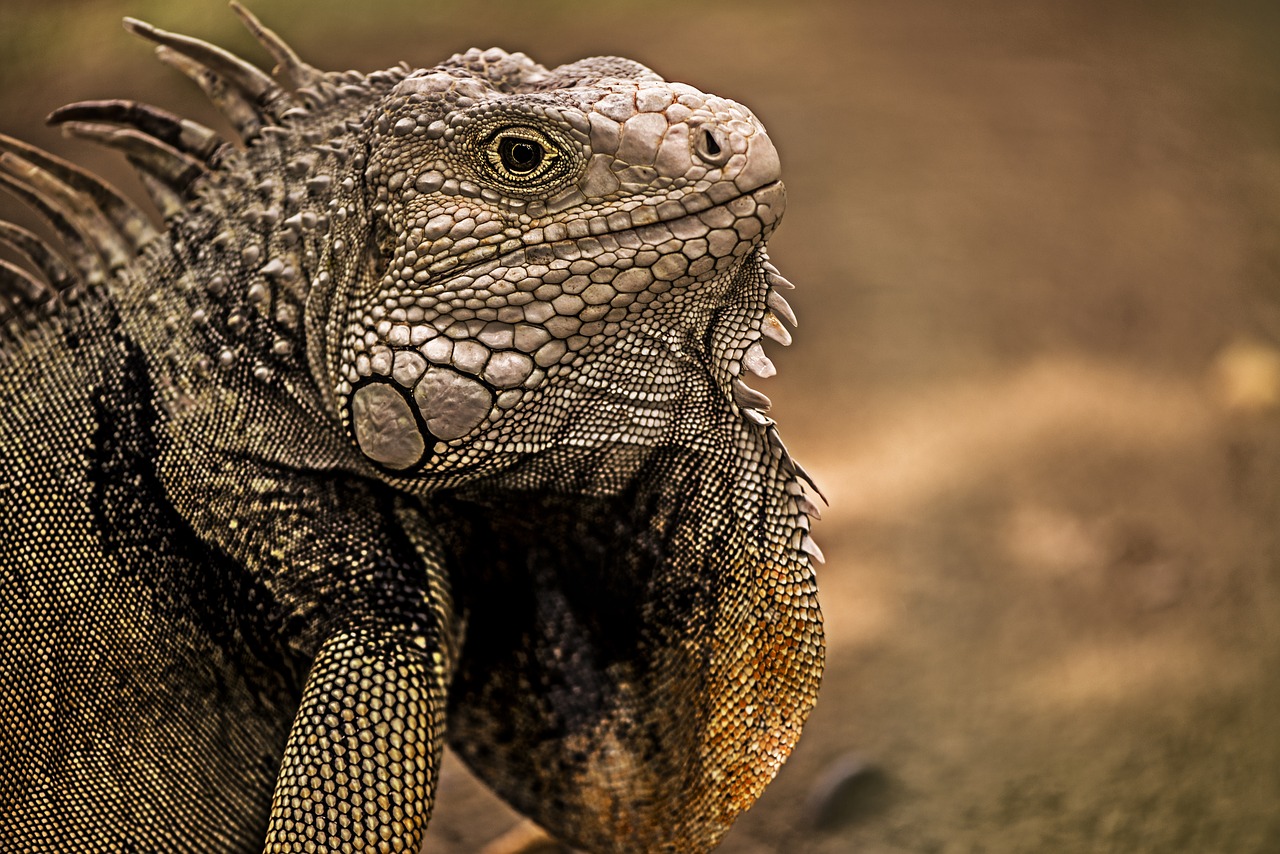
<point x="458" y="399"/>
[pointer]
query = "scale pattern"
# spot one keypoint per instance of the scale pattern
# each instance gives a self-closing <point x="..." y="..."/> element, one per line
<point x="421" y="419"/>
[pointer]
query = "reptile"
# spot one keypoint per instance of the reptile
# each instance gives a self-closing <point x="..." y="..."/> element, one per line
<point x="417" y="416"/>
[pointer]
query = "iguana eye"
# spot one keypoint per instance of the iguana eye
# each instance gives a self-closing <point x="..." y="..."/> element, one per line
<point x="520" y="155"/>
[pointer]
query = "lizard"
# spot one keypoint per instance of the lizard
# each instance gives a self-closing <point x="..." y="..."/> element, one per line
<point x="417" y="416"/>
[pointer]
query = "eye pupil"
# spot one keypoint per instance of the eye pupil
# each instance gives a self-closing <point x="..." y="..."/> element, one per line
<point x="521" y="156"/>
<point x="523" y="153"/>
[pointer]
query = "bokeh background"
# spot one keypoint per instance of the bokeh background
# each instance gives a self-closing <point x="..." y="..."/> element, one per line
<point x="1036" y="373"/>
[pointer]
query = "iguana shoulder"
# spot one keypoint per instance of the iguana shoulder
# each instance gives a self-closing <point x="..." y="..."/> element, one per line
<point x="420" y="418"/>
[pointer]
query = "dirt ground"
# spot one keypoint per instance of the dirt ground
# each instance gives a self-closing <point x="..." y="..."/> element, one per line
<point x="1036" y="373"/>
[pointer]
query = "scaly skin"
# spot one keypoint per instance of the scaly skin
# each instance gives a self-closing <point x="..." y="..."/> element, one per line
<point x="422" y="418"/>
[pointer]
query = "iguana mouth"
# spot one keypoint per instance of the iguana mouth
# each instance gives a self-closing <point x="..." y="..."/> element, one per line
<point x="720" y="226"/>
<point x="769" y="199"/>
<point x="769" y="196"/>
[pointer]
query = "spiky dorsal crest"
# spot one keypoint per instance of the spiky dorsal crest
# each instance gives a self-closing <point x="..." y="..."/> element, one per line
<point x="101" y="230"/>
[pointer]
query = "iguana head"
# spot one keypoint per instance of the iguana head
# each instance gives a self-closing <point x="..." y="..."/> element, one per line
<point x="554" y="257"/>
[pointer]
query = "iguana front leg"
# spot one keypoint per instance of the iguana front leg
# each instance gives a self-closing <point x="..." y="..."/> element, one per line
<point x="359" y="586"/>
<point x="361" y="764"/>
<point x="360" y="767"/>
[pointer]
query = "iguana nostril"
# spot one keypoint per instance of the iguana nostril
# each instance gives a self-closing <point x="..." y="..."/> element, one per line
<point x="712" y="147"/>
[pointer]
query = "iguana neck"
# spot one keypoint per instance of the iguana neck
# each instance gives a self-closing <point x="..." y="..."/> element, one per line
<point x="239" y="289"/>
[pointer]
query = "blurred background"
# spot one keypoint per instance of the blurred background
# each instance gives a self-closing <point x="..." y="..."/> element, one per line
<point x="1036" y="373"/>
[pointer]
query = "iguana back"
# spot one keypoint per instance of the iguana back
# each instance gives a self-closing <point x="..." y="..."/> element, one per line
<point x="143" y="708"/>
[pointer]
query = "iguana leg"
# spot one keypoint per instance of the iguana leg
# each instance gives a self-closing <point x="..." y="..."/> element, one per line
<point x="363" y="756"/>
<point x="356" y="581"/>
<point x="361" y="763"/>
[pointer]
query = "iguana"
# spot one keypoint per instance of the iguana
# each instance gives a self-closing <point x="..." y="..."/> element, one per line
<point x="421" y="418"/>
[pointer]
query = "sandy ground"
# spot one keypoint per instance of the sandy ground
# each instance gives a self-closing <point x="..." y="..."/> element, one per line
<point x="1036" y="253"/>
